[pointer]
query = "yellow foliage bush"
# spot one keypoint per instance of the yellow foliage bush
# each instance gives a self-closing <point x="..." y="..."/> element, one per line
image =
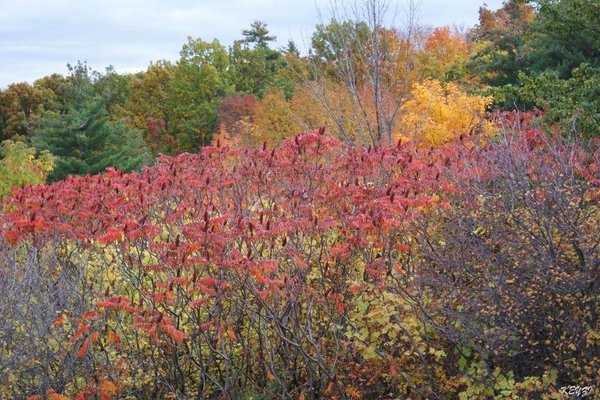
<point x="19" y="166"/>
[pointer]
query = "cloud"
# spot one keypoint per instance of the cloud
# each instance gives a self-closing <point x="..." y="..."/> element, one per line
<point x="39" y="37"/>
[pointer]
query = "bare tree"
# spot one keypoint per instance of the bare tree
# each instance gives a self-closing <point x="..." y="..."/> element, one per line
<point x="371" y="59"/>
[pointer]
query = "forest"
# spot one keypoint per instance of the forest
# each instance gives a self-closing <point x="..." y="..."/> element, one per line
<point x="401" y="212"/>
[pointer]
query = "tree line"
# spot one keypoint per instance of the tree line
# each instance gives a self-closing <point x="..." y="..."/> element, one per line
<point x="366" y="82"/>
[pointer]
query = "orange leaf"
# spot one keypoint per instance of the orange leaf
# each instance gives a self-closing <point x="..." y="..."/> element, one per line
<point x="94" y="337"/>
<point x="393" y="369"/>
<point x="11" y="237"/>
<point x="111" y="235"/>
<point x="208" y="281"/>
<point x="174" y="333"/>
<point x="52" y="395"/>
<point x="82" y="329"/>
<point x="299" y="262"/>
<point x="403" y="247"/>
<point x="59" y="320"/>
<point x="107" y="390"/>
<point x="83" y="348"/>
<point x="113" y="338"/>
<point x="399" y="269"/>
<point x="329" y="389"/>
<point x="231" y="333"/>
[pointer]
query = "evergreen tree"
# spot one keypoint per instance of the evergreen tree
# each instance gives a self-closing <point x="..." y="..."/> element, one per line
<point x="564" y="35"/>
<point x="291" y="48"/>
<point x="81" y="134"/>
<point x="258" y="68"/>
<point x="258" y="34"/>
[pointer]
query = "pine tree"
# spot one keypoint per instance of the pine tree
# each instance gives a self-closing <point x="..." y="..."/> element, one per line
<point x="82" y="135"/>
<point x="258" y="34"/>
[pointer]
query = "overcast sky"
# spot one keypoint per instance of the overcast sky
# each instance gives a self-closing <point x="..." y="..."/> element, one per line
<point x="39" y="37"/>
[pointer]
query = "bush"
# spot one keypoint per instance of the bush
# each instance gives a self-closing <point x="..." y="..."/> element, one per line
<point x="312" y="270"/>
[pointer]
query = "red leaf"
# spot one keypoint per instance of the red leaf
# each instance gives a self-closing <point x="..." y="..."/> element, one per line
<point x="111" y="235"/>
<point x="11" y="237"/>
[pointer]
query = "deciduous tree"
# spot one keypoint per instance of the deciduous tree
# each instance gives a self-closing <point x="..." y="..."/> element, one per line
<point x="373" y="64"/>
<point x="199" y="80"/>
<point x="19" y="166"/>
<point x="437" y="114"/>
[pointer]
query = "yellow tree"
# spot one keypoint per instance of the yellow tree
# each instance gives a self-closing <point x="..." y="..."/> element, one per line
<point x="309" y="112"/>
<point x="21" y="106"/>
<point x="273" y="121"/>
<point x="437" y="114"/>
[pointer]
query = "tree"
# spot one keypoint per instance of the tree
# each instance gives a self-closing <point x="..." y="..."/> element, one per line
<point x="564" y="35"/>
<point x="21" y="104"/>
<point x="258" y="68"/>
<point x="258" y="34"/>
<point x="510" y="256"/>
<point x="499" y="35"/>
<point x="374" y="64"/>
<point x="273" y="120"/>
<point x="198" y="81"/>
<point x="19" y="166"/>
<point x="556" y="58"/>
<point x="148" y="107"/>
<point x="437" y="114"/>
<point x="236" y="115"/>
<point x="292" y="49"/>
<point x="82" y="136"/>
<point x="571" y="105"/>
<point x="445" y="54"/>
<point x="308" y="112"/>
<point x="114" y="88"/>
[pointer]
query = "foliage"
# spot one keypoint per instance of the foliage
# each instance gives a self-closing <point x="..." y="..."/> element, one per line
<point x="573" y="104"/>
<point x="273" y="121"/>
<point x="371" y="65"/>
<point x="500" y="34"/>
<point x="309" y="114"/>
<point x="512" y="264"/>
<point x="259" y="68"/>
<point x="236" y="119"/>
<point x="199" y="80"/>
<point x="460" y="263"/>
<point x="148" y="107"/>
<point x="82" y="136"/>
<point x="312" y="270"/>
<point x="563" y="36"/>
<point x="438" y="114"/>
<point x="21" y="105"/>
<point x="19" y="166"/>
<point x="445" y="55"/>
<point x="258" y="34"/>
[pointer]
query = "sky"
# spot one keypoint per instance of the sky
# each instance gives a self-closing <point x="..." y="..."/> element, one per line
<point x="40" y="37"/>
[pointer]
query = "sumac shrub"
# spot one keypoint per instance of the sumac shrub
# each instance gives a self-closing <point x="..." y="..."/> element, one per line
<point x="311" y="270"/>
